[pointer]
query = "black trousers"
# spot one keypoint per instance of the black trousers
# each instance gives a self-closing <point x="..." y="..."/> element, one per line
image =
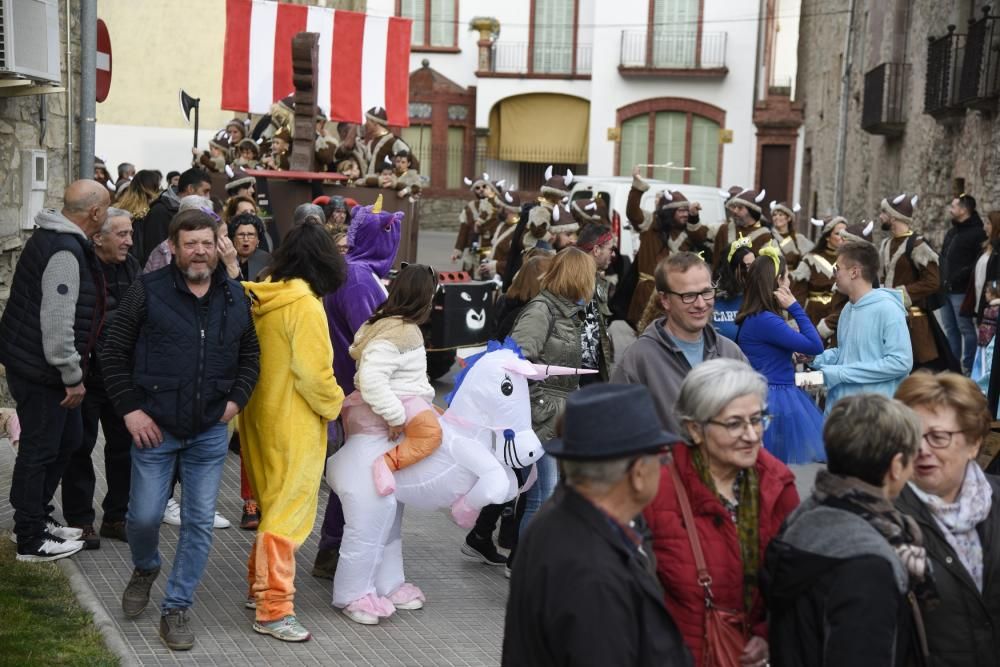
<point x="49" y="436"/>
<point x="79" y="479"/>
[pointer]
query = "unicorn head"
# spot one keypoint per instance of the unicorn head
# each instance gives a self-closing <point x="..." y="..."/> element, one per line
<point x="491" y="393"/>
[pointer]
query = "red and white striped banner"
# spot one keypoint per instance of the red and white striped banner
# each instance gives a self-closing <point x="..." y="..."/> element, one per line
<point x="364" y="61"/>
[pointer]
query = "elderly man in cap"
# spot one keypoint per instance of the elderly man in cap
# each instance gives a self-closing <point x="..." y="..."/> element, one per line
<point x="583" y="590"/>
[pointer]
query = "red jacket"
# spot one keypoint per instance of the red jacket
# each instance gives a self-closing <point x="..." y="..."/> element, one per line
<point x="675" y="560"/>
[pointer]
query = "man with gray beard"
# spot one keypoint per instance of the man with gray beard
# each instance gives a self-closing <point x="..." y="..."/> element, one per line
<point x="181" y="358"/>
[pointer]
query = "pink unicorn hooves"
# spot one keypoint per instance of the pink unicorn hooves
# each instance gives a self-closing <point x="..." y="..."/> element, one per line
<point x="369" y="609"/>
<point x="464" y="514"/>
<point x="385" y="483"/>
<point x="407" y="597"/>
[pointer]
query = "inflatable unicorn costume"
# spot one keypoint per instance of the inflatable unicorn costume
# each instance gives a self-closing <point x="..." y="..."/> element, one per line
<point x="486" y="433"/>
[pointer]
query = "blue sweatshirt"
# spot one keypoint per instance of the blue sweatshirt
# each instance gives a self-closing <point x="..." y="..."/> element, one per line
<point x="873" y="353"/>
<point x="768" y="343"/>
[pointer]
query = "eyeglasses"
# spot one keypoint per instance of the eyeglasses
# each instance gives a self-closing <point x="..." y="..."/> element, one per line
<point x="939" y="439"/>
<point x="690" y="297"/>
<point x="735" y="427"/>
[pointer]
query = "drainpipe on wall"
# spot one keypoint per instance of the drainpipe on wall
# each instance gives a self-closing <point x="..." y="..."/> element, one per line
<point x="88" y="85"/>
<point x="69" y="98"/>
<point x="845" y="88"/>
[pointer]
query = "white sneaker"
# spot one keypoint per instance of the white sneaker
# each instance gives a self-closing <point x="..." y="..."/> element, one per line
<point x="362" y="617"/>
<point x="172" y="516"/>
<point x="172" y="513"/>
<point x="48" y="548"/>
<point x="63" y="532"/>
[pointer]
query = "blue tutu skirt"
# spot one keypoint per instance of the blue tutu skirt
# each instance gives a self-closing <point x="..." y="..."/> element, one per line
<point x="796" y="431"/>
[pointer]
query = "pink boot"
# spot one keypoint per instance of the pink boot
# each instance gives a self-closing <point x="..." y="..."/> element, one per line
<point x="407" y="597"/>
<point x="464" y="514"/>
<point x="385" y="483"/>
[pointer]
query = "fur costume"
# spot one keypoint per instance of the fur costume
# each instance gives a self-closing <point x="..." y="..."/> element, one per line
<point x="487" y="432"/>
<point x="917" y="277"/>
<point x="283" y="433"/>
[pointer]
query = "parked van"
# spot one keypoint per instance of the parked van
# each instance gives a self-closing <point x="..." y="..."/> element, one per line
<point x="615" y="189"/>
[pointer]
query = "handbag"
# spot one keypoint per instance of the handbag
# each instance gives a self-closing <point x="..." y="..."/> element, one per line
<point x="726" y="630"/>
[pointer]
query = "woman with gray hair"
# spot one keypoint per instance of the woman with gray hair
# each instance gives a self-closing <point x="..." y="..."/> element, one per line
<point x="955" y="504"/>
<point x="843" y="576"/>
<point x="738" y="495"/>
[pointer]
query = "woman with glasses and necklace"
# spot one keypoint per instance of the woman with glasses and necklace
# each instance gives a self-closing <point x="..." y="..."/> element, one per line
<point x="767" y="340"/>
<point x="738" y="495"/>
<point x="952" y="500"/>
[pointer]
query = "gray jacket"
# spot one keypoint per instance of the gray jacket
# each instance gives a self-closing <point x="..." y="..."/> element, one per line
<point x="655" y="361"/>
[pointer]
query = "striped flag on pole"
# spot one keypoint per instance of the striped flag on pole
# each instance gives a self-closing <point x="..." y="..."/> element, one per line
<point x="364" y="61"/>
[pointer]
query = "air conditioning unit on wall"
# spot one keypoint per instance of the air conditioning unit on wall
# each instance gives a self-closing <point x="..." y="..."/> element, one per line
<point x="29" y="40"/>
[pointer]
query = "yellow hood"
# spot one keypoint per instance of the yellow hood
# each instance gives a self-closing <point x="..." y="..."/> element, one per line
<point x="268" y="296"/>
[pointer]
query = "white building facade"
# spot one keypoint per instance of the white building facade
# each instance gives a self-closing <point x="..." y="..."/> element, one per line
<point x="592" y="85"/>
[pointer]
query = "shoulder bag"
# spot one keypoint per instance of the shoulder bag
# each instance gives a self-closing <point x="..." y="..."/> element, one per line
<point x="726" y="630"/>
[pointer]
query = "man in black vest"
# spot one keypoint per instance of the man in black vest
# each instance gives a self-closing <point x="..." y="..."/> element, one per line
<point x="48" y="331"/>
<point x="120" y="269"/>
<point x="180" y="359"/>
<point x="583" y="589"/>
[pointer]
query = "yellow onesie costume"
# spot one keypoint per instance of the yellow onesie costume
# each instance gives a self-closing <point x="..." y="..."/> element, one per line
<point x="283" y="433"/>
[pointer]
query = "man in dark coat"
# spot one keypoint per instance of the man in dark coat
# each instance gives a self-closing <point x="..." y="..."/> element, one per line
<point x="153" y="229"/>
<point x="583" y="589"/>
<point x="47" y="334"/>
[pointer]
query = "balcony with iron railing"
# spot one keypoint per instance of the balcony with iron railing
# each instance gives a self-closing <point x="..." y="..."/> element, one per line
<point x="978" y="84"/>
<point x="689" y="53"/>
<point x="944" y="62"/>
<point x="883" y="111"/>
<point x="538" y="60"/>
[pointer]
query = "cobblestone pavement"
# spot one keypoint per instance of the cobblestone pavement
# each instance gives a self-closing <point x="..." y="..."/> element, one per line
<point x="462" y="623"/>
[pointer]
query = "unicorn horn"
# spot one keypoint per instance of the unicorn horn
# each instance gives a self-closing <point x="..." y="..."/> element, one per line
<point x="543" y="371"/>
<point x="377" y="206"/>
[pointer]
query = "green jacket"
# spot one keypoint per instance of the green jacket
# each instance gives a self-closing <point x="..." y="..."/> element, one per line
<point x="548" y="330"/>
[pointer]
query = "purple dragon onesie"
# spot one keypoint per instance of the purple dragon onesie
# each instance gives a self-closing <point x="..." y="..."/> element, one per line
<point x="373" y="239"/>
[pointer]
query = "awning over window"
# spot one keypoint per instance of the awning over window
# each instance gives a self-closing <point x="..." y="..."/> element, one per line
<point x="540" y="127"/>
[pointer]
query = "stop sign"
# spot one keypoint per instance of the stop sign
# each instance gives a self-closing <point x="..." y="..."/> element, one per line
<point x="103" y="61"/>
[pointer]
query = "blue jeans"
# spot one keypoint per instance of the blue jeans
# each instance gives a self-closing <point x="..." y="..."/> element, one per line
<point x="200" y="460"/>
<point x="960" y="331"/>
<point x="541" y="490"/>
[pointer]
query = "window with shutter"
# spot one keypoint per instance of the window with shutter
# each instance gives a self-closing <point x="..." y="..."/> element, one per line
<point x="552" y="25"/>
<point x="433" y="21"/>
<point x="675" y="33"/>
<point x="634" y="143"/>
<point x="418" y="138"/>
<point x="668" y="143"/>
<point x="456" y="157"/>
<point x="443" y="22"/>
<point x="704" y="151"/>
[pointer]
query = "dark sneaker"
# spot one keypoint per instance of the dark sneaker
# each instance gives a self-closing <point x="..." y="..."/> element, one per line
<point x="251" y="515"/>
<point x="175" y="631"/>
<point x="47" y="547"/>
<point x="89" y="537"/>
<point x="326" y="563"/>
<point x="136" y="595"/>
<point x="114" y="530"/>
<point x="483" y="550"/>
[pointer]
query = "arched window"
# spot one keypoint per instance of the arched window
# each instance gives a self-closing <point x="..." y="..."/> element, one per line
<point x="672" y="130"/>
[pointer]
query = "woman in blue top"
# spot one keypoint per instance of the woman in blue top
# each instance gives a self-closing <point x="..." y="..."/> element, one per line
<point x="767" y="340"/>
<point x="731" y="283"/>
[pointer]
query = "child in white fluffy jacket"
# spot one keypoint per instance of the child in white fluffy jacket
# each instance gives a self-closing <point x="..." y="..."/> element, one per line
<point x="391" y="376"/>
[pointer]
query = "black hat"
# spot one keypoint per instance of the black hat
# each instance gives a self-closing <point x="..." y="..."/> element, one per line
<point x="609" y="421"/>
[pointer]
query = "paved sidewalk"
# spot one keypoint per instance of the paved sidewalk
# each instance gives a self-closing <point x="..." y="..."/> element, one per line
<point x="462" y="623"/>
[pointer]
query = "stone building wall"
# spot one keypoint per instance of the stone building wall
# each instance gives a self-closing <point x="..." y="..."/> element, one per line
<point x="929" y="156"/>
<point x="21" y="128"/>
<point x="440" y="213"/>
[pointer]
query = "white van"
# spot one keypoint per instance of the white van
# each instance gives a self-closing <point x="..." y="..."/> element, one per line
<point x="615" y="190"/>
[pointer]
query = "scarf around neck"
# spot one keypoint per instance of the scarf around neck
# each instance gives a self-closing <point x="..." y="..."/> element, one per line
<point x="747" y="520"/>
<point x="958" y="520"/>
<point x="868" y="502"/>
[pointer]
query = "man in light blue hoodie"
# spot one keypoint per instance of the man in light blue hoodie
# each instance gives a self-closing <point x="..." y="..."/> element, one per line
<point x="873" y="352"/>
